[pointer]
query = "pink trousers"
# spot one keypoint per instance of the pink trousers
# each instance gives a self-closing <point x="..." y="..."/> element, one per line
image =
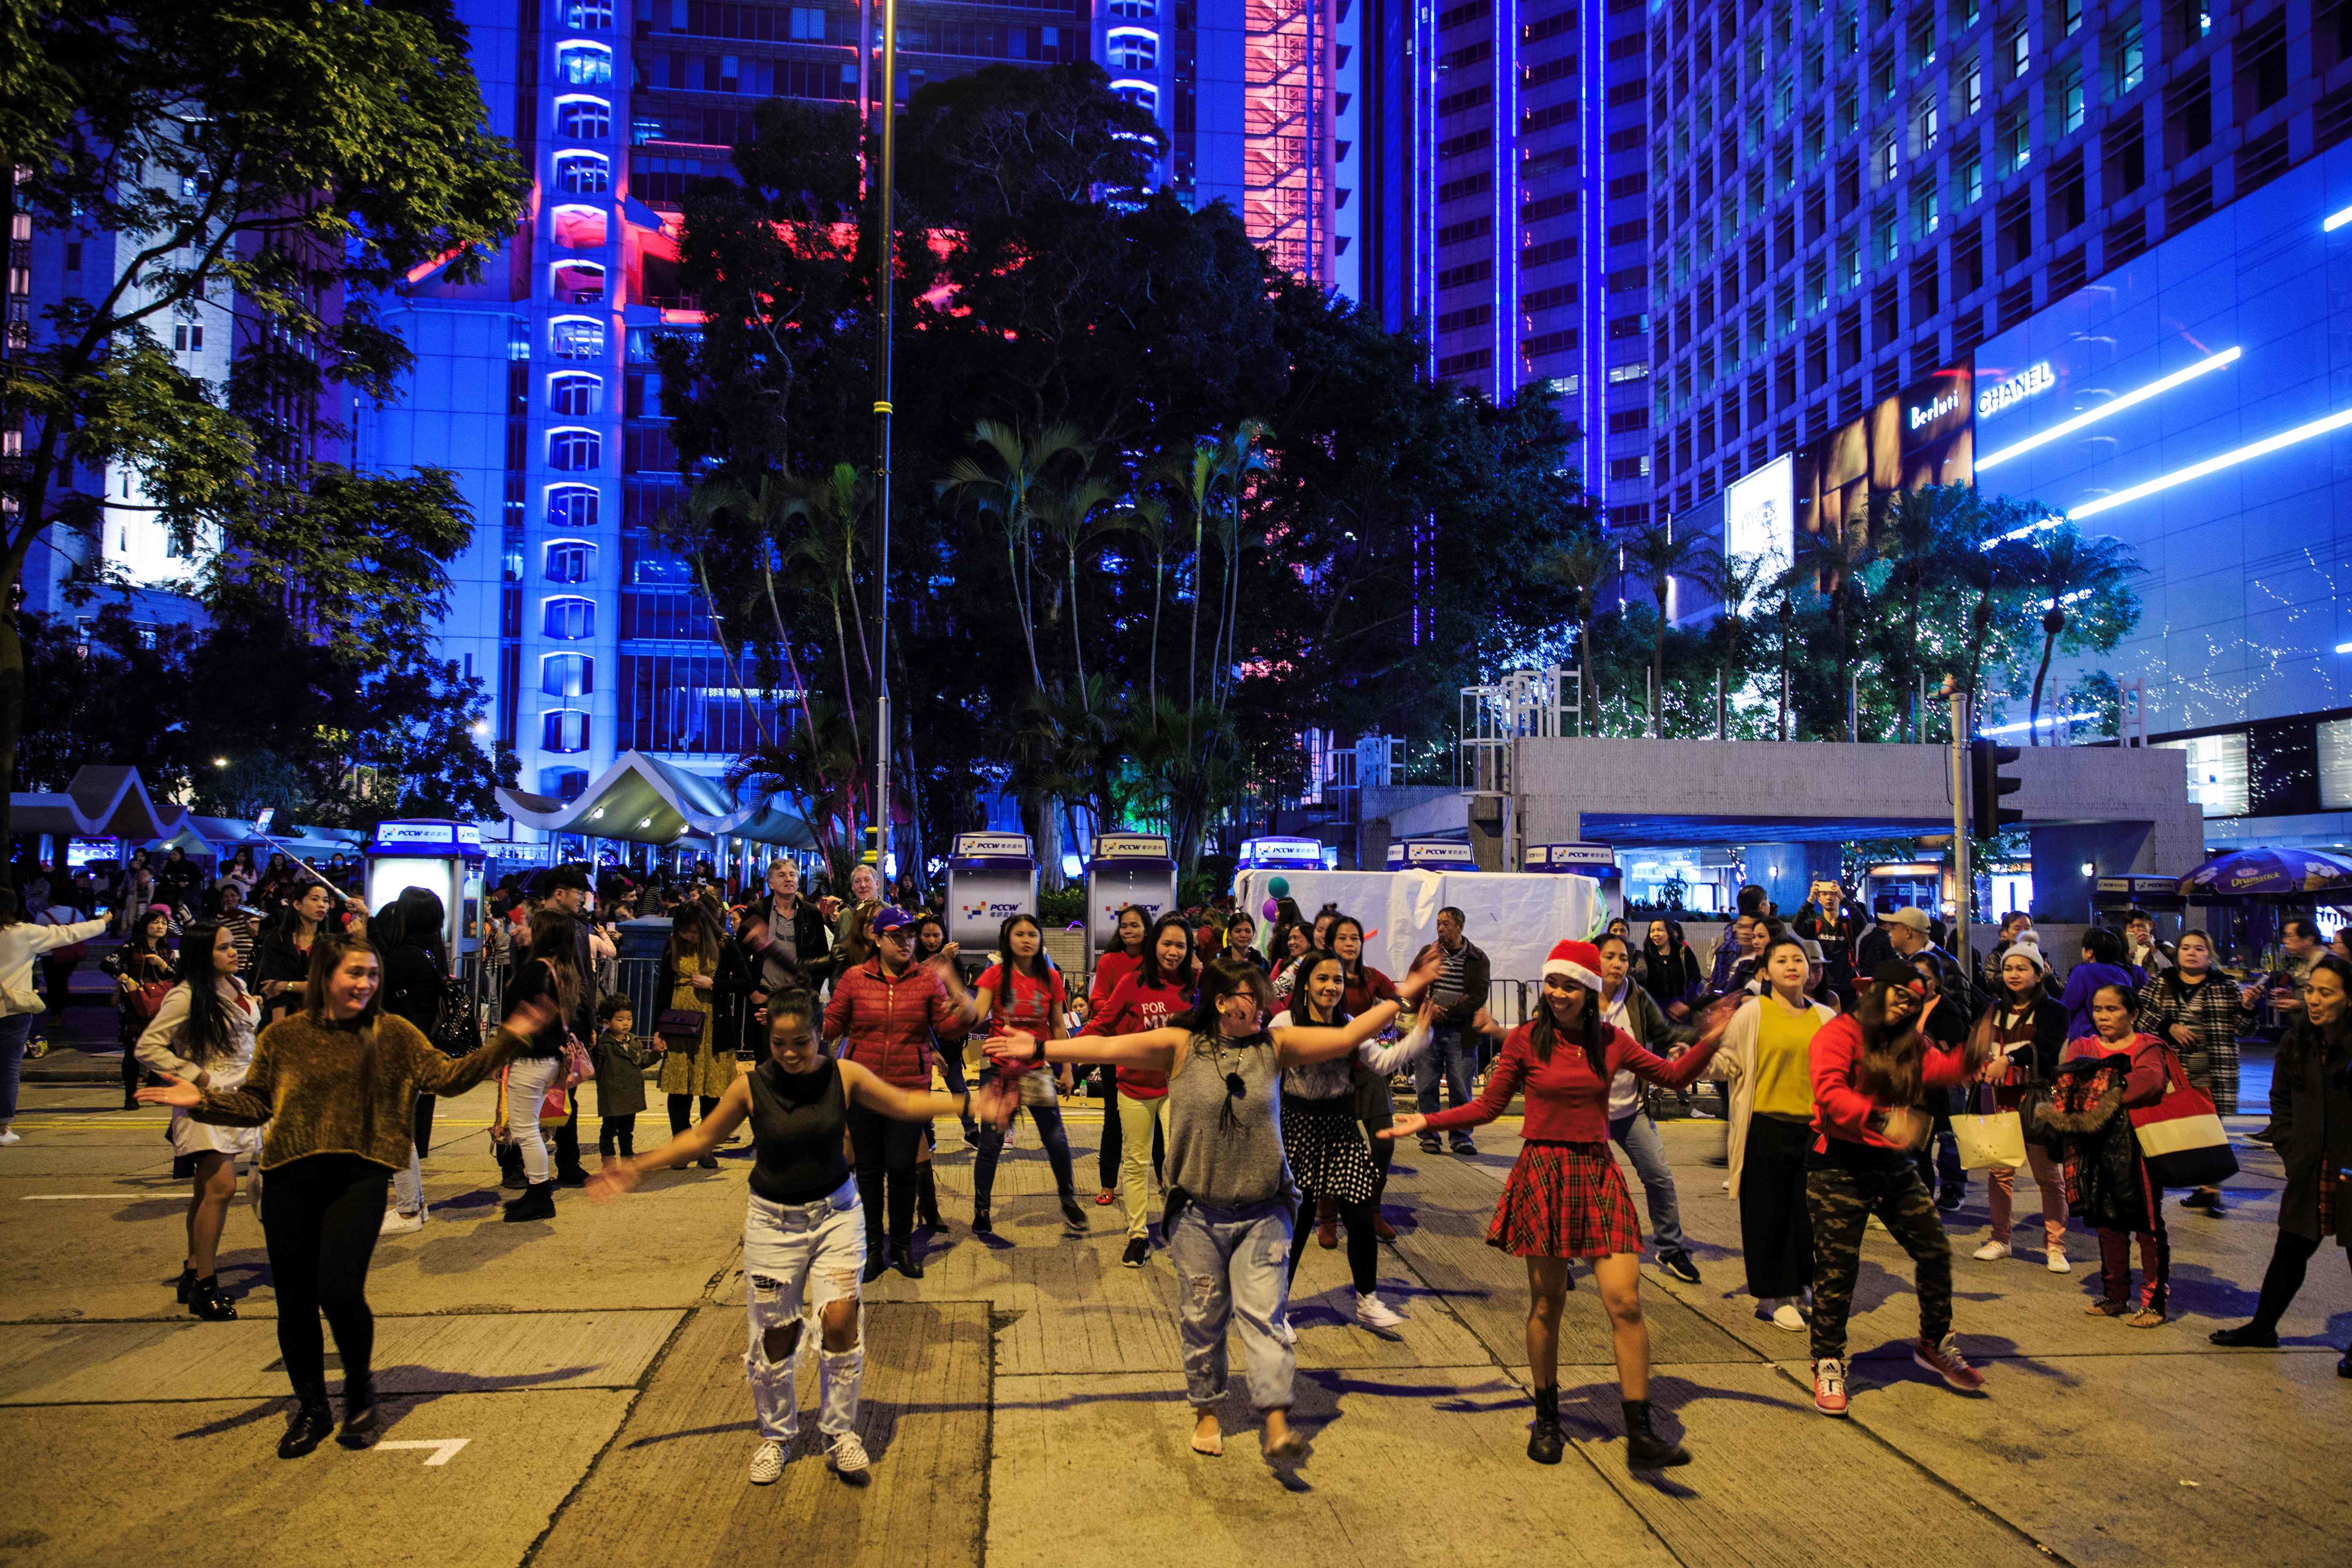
<point x="2000" y="1196"/>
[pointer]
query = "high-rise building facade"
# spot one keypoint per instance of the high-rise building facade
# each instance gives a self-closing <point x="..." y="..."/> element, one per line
<point x="538" y="385"/>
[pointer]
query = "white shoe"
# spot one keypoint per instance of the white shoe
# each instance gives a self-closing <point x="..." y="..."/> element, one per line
<point x="848" y="1455"/>
<point x="1284" y="1331"/>
<point x="1989" y="1251"/>
<point x="1786" y="1317"/>
<point x="2058" y="1264"/>
<point x="398" y="1224"/>
<point x="7" y="1138"/>
<point x="1375" y="1313"/>
<point x="768" y="1462"/>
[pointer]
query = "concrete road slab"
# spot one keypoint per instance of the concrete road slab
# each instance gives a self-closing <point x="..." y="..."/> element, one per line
<point x="1404" y="1468"/>
<point x="76" y="1363"/>
<point x="174" y="1483"/>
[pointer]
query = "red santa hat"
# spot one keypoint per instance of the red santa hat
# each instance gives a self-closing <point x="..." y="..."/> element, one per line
<point x="1579" y="961"/>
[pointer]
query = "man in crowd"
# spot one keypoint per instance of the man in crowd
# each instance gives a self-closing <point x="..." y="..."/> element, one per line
<point x="1460" y="992"/>
<point x="2141" y="947"/>
<point x="788" y="933"/>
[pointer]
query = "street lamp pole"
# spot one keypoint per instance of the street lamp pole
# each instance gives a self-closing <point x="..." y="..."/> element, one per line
<point x="885" y="290"/>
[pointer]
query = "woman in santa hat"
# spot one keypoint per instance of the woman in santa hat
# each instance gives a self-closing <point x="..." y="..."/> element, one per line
<point x="1565" y="1198"/>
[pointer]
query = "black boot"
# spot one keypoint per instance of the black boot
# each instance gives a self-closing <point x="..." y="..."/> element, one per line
<point x="878" y="1262"/>
<point x="312" y="1422"/>
<point x="927" y="1200"/>
<point x="538" y="1202"/>
<point x="1545" y="1444"/>
<point x="187" y="1278"/>
<point x="359" y="1411"/>
<point x="205" y="1301"/>
<point x="510" y="1172"/>
<point x="1644" y="1449"/>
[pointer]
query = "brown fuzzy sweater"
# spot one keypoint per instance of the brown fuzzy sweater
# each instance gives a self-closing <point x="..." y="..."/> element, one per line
<point x="330" y="1089"/>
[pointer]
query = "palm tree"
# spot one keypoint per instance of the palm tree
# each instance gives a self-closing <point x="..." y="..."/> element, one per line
<point x="1731" y="581"/>
<point x="1922" y="534"/>
<point x="2070" y="566"/>
<point x="831" y="508"/>
<point x="2001" y="565"/>
<point x="1009" y="490"/>
<point x="1072" y="517"/>
<point x="1579" y="567"/>
<point x="1660" y="556"/>
<point x="1241" y="454"/>
<point x="1830" y="563"/>
<point x="817" y="767"/>
<point x="1147" y="516"/>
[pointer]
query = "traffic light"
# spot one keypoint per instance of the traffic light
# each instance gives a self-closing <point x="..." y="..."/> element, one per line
<point x="1987" y="784"/>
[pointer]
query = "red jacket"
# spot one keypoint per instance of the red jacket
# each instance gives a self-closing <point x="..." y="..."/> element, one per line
<point x="1565" y="1103"/>
<point x="1110" y="969"/>
<point x="886" y="1025"/>
<point x="1135" y="1004"/>
<point x="1841" y="1110"/>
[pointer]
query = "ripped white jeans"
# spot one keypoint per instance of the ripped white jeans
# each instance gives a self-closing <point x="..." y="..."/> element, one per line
<point x="797" y="1259"/>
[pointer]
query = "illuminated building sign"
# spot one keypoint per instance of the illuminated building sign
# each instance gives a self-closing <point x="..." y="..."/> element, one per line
<point x="1923" y="435"/>
<point x="2033" y="380"/>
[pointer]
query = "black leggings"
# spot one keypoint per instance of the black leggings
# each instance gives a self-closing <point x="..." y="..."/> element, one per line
<point x="420" y="1126"/>
<point x="1107" y="1157"/>
<point x="2289" y="1256"/>
<point x="320" y="1215"/>
<point x="680" y="1105"/>
<point x="885" y="1150"/>
<point x="132" y="1067"/>
<point x="1363" y="1246"/>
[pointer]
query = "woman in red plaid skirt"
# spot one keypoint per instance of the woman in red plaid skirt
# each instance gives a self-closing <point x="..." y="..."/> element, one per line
<point x="1565" y="1198"/>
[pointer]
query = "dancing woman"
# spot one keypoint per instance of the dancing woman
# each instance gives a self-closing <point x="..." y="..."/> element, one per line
<point x="803" y="1236"/>
<point x="204" y="1033"/>
<point x="1022" y="991"/>
<point x="335" y="1083"/>
<point x="1230" y="1194"/>
<point x="1564" y="1198"/>
<point x="1767" y="1061"/>
<point x="1328" y="1157"/>
<point x="1153" y="997"/>
<point x="1131" y="939"/>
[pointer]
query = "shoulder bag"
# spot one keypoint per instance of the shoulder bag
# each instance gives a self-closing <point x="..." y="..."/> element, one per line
<point x="2180" y="1136"/>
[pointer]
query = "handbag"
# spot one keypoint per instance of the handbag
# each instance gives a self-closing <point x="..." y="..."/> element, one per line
<point x="2181" y="1139"/>
<point x="577" y="1068"/>
<point x="679" y="1024"/>
<point x="1997" y="1138"/>
<point x="148" y="1000"/>
<point x="18" y="1000"/>
<point x="456" y="1028"/>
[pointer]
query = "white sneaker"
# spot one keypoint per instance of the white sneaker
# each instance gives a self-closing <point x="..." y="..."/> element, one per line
<point x="398" y="1224"/>
<point x="1989" y="1251"/>
<point x="8" y="1138"/>
<point x="1375" y="1313"/>
<point x="848" y="1455"/>
<point x="768" y="1462"/>
<point x="1787" y="1317"/>
<point x="2058" y="1264"/>
<point x="1284" y="1331"/>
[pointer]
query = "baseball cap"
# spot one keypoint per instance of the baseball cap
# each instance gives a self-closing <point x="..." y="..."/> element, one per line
<point x="890" y="917"/>
<point x="1916" y="919"/>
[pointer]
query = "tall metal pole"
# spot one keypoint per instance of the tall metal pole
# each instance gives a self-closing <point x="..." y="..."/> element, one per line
<point x="1963" y="873"/>
<point x="885" y="288"/>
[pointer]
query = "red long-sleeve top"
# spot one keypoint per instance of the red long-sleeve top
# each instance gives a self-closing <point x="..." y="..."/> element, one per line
<point x="1566" y="1103"/>
<point x="886" y="1024"/>
<point x="1135" y="1003"/>
<point x="1110" y="969"/>
<point x="1842" y="1111"/>
<point x="2144" y="1081"/>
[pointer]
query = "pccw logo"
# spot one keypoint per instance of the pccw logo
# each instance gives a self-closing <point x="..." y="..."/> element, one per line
<point x="986" y="910"/>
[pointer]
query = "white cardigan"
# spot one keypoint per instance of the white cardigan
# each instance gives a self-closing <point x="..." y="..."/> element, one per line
<point x="22" y="943"/>
<point x="1735" y="1064"/>
<point x="158" y="1044"/>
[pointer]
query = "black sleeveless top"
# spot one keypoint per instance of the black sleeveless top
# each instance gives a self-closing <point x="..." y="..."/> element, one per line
<point x="797" y="1121"/>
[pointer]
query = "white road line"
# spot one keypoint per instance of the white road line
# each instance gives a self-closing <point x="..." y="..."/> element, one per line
<point x="72" y="1197"/>
<point x="445" y="1449"/>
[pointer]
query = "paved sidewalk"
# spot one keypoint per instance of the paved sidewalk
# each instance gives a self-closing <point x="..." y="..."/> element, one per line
<point x="572" y="1393"/>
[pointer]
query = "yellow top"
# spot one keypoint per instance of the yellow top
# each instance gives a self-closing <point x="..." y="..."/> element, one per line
<point x="1784" y="1068"/>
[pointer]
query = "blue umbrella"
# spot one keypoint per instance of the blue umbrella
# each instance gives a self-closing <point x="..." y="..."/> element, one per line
<point x="2245" y="872"/>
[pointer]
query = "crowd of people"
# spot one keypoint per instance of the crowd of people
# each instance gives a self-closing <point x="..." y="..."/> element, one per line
<point x="1246" y="1082"/>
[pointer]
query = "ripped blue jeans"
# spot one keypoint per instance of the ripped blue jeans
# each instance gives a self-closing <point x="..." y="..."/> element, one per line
<point x="798" y="1258"/>
<point x="1234" y="1264"/>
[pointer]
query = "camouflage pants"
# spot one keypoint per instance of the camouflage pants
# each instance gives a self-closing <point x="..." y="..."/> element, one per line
<point x="1840" y="1200"/>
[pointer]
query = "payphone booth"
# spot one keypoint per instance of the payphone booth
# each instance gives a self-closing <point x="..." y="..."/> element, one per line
<point x="1431" y="855"/>
<point x="445" y="857"/>
<point x="992" y="877"/>
<point x="1598" y="861"/>
<point x="1125" y="869"/>
<point x="1280" y="855"/>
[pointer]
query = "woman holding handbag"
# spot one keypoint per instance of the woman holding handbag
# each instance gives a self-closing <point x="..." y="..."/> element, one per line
<point x="143" y="968"/>
<point x="203" y="1034"/>
<point x="698" y="1016"/>
<point x="548" y="971"/>
<point x="2100" y="1079"/>
<point x="2021" y="1034"/>
<point x="2311" y="1110"/>
<point x="2198" y="1010"/>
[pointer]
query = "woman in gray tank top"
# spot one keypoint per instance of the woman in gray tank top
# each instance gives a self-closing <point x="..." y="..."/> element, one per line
<point x="1229" y="1195"/>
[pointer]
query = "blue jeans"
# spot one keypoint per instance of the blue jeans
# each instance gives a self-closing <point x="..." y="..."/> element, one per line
<point x="1048" y="1119"/>
<point x="1234" y="1263"/>
<point x="1453" y="1052"/>
<point x="15" y="1029"/>
<point x="1638" y="1136"/>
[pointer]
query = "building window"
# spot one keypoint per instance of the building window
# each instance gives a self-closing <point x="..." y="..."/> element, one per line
<point x="1969" y="92"/>
<point x="564" y="730"/>
<point x="2131" y="59"/>
<point x="588" y="15"/>
<point x="2070" y="100"/>
<point x="573" y="507"/>
<point x="1967" y="183"/>
<point x="568" y="620"/>
<point x="2335" y="737"/>
<point x="2217" y="772"/>
<point x="1929" y="124"/>
<point x="568" y="561"/>
<point x="578" y="284"/>
<point x="577" y="337"/>
<point x="573" y="394"/>
<point x="187" y="337"/>
<point x="583" y="174"/>
<point x="1141" y="94"/>
<point x="584" y="119"/>
<point x="574" y="451"/>
<point x="2020" y="51"/>
<point x="1131" y="50"/>
<point x="567" y="674"/>
<point x="808" y="24"/>
<point x="584" y="65"/>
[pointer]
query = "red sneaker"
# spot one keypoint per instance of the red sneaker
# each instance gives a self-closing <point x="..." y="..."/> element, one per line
<point x="1944" y="1360"/>
<point x="1828" y="1387"/>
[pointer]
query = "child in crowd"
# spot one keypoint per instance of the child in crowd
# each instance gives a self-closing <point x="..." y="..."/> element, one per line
<point x="621" y="1059"/>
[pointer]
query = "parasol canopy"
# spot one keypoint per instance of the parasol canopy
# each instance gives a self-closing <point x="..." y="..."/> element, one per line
<point x="2254" y="872"/>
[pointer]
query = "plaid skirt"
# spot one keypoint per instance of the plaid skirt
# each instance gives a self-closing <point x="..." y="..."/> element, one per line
<point x="1326" y="1152"/>
<point x="1565" y="1200"/>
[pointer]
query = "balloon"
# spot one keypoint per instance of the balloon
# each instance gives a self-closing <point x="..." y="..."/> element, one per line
<point x="1279" y="888"/>
<point x="1270" y="909"/>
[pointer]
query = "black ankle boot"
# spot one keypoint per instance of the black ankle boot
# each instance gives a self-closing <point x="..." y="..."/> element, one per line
<point x="205" y="1301"/>
<point x="927" y="1201"/>
<point x="538" y="1202"/>
<point x="312" y="1421"/>
<point x="1545" y="1444"/>
<point x="1644" y="1449"/>
<point x="187" y="1278"/>
<point x="359" y="1411"/>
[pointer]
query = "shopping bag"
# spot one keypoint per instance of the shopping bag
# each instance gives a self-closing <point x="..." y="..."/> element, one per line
<point x="1998" y="1139"/>
<point x="2182" y="1137"/>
